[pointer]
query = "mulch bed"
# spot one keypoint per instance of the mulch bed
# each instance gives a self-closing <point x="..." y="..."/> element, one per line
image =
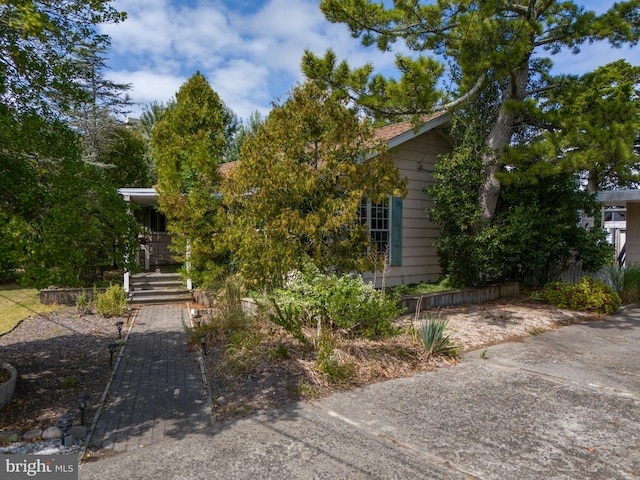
<point x="57" y="355"/>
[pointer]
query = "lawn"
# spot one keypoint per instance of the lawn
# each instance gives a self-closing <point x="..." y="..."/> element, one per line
<point x="18" y="303"/>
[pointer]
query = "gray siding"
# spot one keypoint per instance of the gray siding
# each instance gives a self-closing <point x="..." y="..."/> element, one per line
<point x="633" y="233"/>
<point x="415" y="160"/>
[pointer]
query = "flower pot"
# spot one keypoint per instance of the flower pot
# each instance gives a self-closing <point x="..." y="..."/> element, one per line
<point x="7" y="388"/>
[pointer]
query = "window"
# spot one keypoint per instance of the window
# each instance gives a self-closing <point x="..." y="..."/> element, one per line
<point x="151" y="221"/>
<point x="384" y="221"/>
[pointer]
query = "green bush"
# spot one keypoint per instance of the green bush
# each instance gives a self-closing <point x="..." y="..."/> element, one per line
<point x="336" y="370"/>
<point x="83" y="304"/>
<point x="113" y="302"/>
<point x="586" y="295"/>
<point x="626" y="282"/>
<point x="342" y="302"/>
<point x="432" y="330"/>
<point x="288" y="317"/>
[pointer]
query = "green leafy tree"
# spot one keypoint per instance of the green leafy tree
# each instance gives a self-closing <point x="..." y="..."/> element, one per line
<point x="243" y="131"/>
<point x="65" y="223"/>
<point x="61" y="220"/>
<point x="125" y="155"/>
<point x="188" y="143"/>
<point x="151" y="115"/>
<point x="535" y="235"/>
<point x="295" y="193"/>
<point x="38" y="71"/>
<point x="485" y="45"/>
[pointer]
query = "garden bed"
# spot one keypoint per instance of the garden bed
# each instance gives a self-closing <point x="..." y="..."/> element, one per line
<point x="450" y="298"/>
<point x="66" y="296"/>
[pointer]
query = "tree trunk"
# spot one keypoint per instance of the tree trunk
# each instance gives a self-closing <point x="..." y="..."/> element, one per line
<point x="498" y="138"/>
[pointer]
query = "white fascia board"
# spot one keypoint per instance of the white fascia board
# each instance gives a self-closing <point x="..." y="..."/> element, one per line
<point x="619" y="197"/>
<point x="142" y="196"/>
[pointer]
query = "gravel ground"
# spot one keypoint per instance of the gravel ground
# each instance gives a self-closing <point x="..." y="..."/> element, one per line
<point x="58" y="356"/>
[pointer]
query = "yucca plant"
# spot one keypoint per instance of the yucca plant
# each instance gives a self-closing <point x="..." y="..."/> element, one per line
<point x="435" y="340"/>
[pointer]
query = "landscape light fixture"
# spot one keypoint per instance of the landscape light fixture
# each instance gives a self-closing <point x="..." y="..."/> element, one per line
<point x="119" y="324"/>
<point x="112" y="350"/>
<point x="82" y="405"/>
<point x="64" y="424"/>
<point x="203" y="344"/>
<point x="197" y="317"/>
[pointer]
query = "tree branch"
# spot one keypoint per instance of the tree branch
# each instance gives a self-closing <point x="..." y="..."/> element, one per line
<point x="466" y="96"/>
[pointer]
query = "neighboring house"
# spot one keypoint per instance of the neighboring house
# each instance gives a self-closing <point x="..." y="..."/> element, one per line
<point x="401" y="225"/>
<point x="621" y="217"/>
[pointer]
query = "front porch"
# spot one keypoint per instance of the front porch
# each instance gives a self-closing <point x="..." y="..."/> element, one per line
<point x="153" y="255"/>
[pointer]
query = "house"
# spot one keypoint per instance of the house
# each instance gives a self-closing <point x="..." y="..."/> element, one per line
<point x="401" y="225"/>
<point x="410" y="234"/>
<point x="621" y="217"/>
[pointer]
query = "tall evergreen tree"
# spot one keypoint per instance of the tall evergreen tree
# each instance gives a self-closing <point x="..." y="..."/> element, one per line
<point x="37" y="41"/>
<point x="590" y="127"/>
<point x="497" y="45"/>
<point x="188" y="144"/>
<point x="296" y="191"/>
<point x="95" y="115"/>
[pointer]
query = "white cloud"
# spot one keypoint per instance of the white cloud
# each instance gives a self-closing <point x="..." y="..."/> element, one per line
<point x="148" y="87"/>
<point x="250" y="50"/>
<point x="240" y="84"/>
<point x="251" y="57"/>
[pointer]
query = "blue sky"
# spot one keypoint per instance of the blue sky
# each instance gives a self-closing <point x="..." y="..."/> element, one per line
<point x="250" y="50"/>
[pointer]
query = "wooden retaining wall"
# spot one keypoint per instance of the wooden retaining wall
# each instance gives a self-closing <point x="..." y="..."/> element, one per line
<point x="65" y="296"/>
<point x="458" y="297"/>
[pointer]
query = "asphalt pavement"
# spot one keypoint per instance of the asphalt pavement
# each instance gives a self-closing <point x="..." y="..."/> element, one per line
<point x="560" y="405"/>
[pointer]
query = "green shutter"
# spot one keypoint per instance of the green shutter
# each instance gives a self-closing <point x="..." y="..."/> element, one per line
<point x="396" y="231"/>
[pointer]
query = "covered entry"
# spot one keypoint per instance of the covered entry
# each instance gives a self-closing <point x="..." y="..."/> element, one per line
<point x="621" y="216"/>
<point x="154" y="239"/>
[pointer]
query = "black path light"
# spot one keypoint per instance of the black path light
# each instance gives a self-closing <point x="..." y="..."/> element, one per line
<point x="198" y="318"/>
<point x="119" y="324"/>
<point x="112" y="350"/>
<point x="82" y="405"/>
<point x="64" y="424"/>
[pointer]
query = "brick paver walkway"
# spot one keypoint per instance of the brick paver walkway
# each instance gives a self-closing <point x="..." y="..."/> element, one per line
<point x="157" y="392"/>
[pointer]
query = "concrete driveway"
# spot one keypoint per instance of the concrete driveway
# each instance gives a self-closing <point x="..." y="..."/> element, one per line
<point x="561" y="405"/>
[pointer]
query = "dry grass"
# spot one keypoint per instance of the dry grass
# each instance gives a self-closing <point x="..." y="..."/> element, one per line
<point x="261" y="366"/>
<point x="266" y="368"/>
<point x="18" y="303"/>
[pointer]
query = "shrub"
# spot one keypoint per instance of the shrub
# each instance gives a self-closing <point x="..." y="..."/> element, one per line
<point x="586" y="295"/>
<point x="432" y="330"/>
<point x="83" y="304"/>
<point x="343" y="302"/>
<point x="113" y="302"/>
<point x="288" y="317"/>
<point x="626" y="282"/>
<point x="331" y="363"/>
